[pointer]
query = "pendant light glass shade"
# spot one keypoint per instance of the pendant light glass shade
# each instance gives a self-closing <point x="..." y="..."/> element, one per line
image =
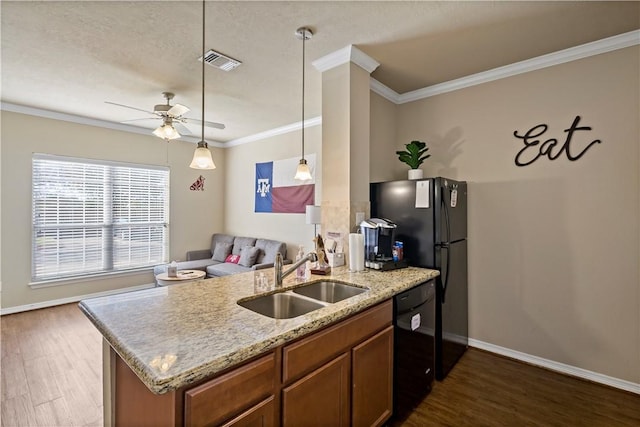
<point x="302" y="171"/>
<point x="202" y="157"/>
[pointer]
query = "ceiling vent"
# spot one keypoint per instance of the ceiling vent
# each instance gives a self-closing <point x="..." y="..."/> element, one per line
<point x="220" y="61"/>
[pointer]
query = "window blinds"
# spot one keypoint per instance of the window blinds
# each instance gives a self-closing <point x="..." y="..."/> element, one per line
<point x="93" y="217"/>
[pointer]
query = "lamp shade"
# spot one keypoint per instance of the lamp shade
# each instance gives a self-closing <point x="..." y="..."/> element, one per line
<point x="313" y="214"/>
<point x="303" y="172"/>
<point x="166" y="131"/>
<point x="202" y="157"/>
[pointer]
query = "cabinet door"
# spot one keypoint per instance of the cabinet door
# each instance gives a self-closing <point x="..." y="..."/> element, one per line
<point x="320" y="398"/>
<point x="373" y="380"/>
<point x="261" y="415"/>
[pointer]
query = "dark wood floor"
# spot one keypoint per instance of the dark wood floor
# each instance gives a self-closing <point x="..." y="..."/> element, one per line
<point x="485" y="389"/>
<point x="51" y="376"/>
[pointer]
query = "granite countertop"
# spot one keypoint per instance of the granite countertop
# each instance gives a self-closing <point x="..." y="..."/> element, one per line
<point x="175" y="335"/>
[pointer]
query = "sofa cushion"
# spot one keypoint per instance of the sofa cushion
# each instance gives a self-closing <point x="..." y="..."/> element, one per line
<point x="248" y="255"/>
<point x="221" y="251"/>
<point x="241" y="242"/>
<point x="220" y="238"/>
<point x="234" y="259"/>
<point x="226" y="268"/>
<point x="269" y="248"/>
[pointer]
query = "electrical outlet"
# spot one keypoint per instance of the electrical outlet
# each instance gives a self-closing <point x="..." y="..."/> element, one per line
<point x="359" y="218"/>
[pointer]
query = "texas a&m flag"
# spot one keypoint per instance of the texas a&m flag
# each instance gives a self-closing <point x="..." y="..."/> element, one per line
<point x="277" y="191"/>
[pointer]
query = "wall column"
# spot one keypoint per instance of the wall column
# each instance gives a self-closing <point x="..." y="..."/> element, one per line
<point x="345" y="139"/>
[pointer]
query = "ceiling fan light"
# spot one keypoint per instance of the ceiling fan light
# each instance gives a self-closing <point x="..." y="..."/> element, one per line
<point x="166" y="131"/>
<point x="202" y="157"/>
<point x="303" y="172"/>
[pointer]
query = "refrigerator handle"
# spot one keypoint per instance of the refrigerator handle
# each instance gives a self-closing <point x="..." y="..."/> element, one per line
<point x="445" y="245"/>
<point x="445" y="208"/>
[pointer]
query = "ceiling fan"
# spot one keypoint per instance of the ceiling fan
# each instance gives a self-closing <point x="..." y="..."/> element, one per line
<point x="172" y="117"/>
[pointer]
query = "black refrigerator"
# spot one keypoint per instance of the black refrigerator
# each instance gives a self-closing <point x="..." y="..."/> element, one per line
<point x="431" y="218"/>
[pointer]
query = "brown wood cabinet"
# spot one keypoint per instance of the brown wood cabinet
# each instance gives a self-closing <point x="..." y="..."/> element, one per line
<point x="338" y="376"/>
<point x="320" y="398"/>
<point x="310" y="352"/>
<point x="362" y="346"/>
<point x="372" y="394"/>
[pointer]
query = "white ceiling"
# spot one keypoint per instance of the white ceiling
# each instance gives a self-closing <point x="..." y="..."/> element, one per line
<point x="71" y="56"/>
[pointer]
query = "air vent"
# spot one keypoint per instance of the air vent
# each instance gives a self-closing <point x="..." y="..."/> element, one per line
<point x="220" y="61"/>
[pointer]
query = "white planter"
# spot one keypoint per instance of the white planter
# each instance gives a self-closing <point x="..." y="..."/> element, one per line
<point x="415" y="174"/>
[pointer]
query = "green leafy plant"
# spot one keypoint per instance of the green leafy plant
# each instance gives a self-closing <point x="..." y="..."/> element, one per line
<point x="414" y="155"/>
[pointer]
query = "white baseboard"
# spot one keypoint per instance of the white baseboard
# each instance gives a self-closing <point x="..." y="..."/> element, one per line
<point x="52" y="303"/>
<point x="557" y="366"/>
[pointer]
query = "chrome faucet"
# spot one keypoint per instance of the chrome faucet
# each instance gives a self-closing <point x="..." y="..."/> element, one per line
<point x="279" y="275"/>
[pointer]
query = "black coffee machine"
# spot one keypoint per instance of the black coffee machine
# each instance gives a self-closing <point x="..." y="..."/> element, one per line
<point x="379" y="240"/>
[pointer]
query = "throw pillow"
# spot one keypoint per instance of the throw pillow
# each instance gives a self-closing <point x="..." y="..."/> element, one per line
<point x="248" y="255"/>
<point x="221" y="252"/>
<point x="232" y="259"/>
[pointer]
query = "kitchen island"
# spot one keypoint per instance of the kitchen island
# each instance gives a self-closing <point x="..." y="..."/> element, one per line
<point x="176" y="337"/>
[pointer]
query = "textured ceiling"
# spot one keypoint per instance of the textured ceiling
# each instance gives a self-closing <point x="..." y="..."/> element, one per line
<point x="72" y="56"/>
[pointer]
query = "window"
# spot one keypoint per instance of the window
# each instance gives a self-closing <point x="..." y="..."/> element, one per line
<point x="92" y="217"/>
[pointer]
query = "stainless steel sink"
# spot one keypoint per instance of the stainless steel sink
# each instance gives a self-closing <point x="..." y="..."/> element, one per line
<point x="328" y="291"/>
<point x="281" y="306"/>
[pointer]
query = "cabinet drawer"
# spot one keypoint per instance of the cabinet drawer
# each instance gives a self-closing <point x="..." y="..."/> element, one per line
<point x="309" y="353"/>
<point x="227" y="395"/>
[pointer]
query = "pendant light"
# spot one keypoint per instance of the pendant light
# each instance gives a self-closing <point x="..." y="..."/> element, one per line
<point x="302" y="171"/>
<point x="202" y="156"/>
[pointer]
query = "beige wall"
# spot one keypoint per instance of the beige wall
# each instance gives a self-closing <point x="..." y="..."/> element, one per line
<point x="553" y="246"/>
<point x="383" y="138"/>
<point x="240" y="218"/>
<point x="195" y="215"/>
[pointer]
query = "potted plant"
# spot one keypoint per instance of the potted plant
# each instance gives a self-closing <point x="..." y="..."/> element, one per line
<point x="414" y="156"/>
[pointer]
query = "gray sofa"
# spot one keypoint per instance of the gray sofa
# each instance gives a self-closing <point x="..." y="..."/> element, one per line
<point x="230" y="255"/>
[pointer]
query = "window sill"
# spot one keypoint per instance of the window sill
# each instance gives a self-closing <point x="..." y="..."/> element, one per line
<point x="89" y="278"/>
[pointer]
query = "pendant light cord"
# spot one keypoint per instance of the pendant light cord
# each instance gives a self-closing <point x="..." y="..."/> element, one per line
<point x="304" y="38"/>
<point x="203" y="54"/>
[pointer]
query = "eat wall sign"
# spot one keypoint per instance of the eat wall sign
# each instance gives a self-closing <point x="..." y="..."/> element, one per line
<point x="573" y="147"/>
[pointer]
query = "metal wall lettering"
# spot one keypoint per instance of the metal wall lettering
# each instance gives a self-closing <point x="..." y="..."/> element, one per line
<point x="534" y="148"/>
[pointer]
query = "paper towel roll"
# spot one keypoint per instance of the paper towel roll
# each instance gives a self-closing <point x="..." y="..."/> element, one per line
<point x="356" y="252"/>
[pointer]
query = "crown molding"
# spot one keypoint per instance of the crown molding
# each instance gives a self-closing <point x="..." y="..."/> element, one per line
<point x="72" y="118"/>
<point x="384" y="91"/>
<point x="315" y="121"/>
<point x="352" y="53"/>
<point x="346" y="54"/>
<point x="598" y="47"/>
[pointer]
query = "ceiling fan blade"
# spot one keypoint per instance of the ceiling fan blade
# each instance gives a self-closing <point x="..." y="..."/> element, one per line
<point x="207" y="124"/>
<point x="177" y="110"/>
<point x="139" y="120"/>
<point x="126" y="106"/>
<point x="182" y="129"/>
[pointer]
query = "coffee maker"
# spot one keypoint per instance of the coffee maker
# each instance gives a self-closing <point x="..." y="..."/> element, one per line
<point x="379" y="240"/>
